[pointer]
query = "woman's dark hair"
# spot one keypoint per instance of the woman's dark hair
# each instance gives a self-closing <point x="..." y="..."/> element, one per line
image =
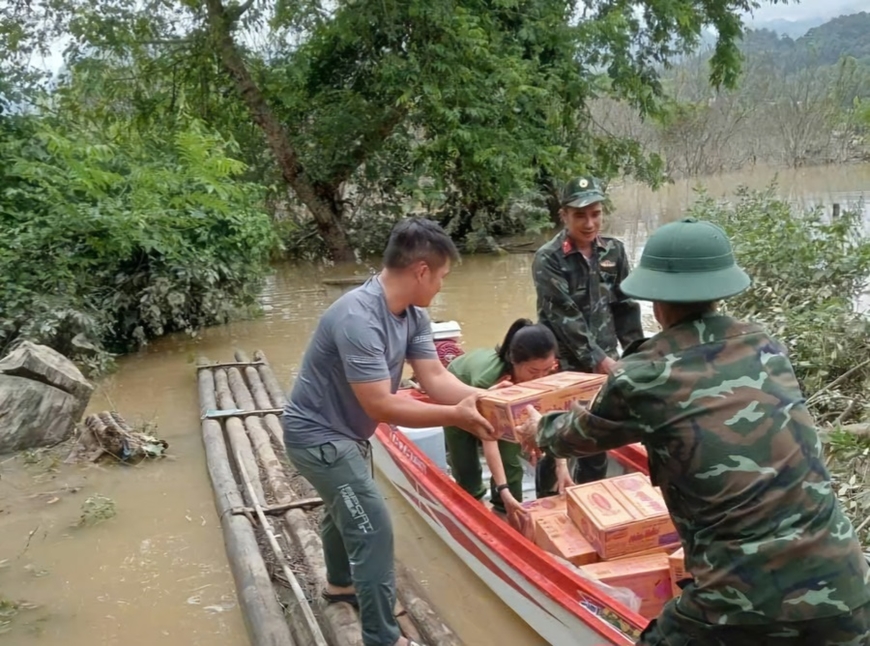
<point x="525" y="341"/>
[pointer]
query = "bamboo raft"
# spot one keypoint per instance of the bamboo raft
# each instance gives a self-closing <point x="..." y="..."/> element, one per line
<point x="270" y="517"/>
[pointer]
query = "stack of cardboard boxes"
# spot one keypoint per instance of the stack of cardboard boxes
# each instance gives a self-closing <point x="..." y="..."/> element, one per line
<point x="618" y="530"/>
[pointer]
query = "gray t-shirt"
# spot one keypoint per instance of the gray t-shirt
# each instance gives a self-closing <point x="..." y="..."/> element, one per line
<point x="357" y="340"/>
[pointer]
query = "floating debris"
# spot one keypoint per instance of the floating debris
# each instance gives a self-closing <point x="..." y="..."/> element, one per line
<point x="96" y="509"/>
<point x="107" y="433"/>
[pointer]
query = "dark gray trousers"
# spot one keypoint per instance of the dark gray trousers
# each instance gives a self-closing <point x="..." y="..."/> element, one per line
<point x="356" y="531"/>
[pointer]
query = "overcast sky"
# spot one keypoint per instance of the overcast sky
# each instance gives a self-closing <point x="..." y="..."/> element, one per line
<point x="810" y="9"/>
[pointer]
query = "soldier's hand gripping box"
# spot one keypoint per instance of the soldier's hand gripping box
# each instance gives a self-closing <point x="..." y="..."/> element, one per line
<point x="505" y="408"/>
<point x="621" y="516"/>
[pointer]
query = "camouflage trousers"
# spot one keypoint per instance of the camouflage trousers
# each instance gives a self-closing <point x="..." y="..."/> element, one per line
<point x="673" y="628"/>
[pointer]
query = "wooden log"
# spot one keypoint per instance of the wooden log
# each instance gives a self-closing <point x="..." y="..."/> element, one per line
<point x="236" y="433"/>
<point x="239" y="390"/>
<point x="226" y="364"/>
<point x="342" y="623"/>
<point x="277" y="431"/>
<point x="276" y="393"/>
<point x="313" y="628"/>
<point x="255" y="384"/>
<point x="412" y="596"/>
<point x="261" y="611"/>
<point x="406" y="623"/>
<point x="225" y="413"/>
<point x="306" y="504"/>
<point x="263" y="401"/>
<point x="119" y="421"/>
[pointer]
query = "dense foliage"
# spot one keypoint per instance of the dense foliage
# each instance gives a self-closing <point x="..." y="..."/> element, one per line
<point x="808" y="273"/>
<point x="112" y="237"/>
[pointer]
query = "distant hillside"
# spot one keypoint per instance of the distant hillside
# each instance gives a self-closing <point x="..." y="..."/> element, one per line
<point x="843" y="36"/>
<point x="822" y="45"/>
<point x="790" y="28"/>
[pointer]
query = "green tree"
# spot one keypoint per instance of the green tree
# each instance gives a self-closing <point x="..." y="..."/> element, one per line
<point x="112" y="237"/>
<point x="478" y="101"/>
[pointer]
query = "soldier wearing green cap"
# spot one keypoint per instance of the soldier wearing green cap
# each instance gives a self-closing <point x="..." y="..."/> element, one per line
<point x="716" y="403"/>
<point x="577" y="277"/>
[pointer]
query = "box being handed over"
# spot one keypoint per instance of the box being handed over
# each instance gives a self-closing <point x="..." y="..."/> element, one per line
<point x="647" y="576"/>
<point x="622" y="515"/>
<point x="505" y="408"/>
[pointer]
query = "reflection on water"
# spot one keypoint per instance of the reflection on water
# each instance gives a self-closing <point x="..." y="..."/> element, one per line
<point x="157" y="572"/>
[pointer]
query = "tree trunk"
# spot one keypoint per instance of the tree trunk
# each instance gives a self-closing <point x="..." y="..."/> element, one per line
<point x="326" y="218"/>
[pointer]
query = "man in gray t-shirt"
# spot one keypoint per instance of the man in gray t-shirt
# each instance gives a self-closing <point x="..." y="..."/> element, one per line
<point x="347" y="385"/>
<point x="358" y="340"/>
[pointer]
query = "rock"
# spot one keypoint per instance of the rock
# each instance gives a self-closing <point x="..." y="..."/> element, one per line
<point x="41" y="363"/>
<point x="42" y="397"/>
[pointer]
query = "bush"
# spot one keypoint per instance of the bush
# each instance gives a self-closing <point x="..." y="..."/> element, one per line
<point x="807" y="273"/>
<point x="112" y="237"/>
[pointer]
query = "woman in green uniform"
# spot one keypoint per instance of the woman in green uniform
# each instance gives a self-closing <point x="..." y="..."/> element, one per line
<point x="527" y="352"/>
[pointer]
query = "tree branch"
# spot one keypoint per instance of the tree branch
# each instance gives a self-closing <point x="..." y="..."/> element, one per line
<point x="221" y="23"/>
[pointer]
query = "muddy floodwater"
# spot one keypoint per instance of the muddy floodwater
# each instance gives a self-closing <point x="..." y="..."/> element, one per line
<point x="156" y="572"/>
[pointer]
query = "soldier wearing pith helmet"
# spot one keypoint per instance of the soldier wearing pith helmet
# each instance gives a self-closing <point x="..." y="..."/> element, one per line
<point x="772" y="558"/>
<point x="578" y="277"/>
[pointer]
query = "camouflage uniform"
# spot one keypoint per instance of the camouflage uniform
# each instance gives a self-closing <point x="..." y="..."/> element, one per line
<point x="581" y="301"/>
<point x="716" y="403"/>
<point x="734" y="449"/>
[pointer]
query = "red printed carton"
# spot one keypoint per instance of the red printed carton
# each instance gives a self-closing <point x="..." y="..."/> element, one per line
<point x="621" y="516"/>
<point x="505" y="408"/>
<point x="647" y="576"/>
<point x="677" y="564"/>
<point x="533" y="510"/>
<point x="556" y="534"/>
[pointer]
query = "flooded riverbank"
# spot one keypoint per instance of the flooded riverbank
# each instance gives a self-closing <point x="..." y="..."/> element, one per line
<point x="157" y="572"/>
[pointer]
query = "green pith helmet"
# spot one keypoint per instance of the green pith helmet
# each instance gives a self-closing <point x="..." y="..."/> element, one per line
<point x="581" y="191"/>
<point x="686" y="262"/>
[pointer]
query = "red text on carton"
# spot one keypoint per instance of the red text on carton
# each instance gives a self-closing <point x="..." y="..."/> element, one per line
<point x="621" y="516"/>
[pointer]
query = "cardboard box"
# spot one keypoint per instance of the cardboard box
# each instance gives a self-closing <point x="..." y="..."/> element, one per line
<point x="647" y="576"/>
<point x="664" y="549"/>
<point x="621" y="516"/>
<point x="677" y="563"/>
<point x="556" y="534"/>
<point x="535" y="509"/>
<point x="505" y="408"/>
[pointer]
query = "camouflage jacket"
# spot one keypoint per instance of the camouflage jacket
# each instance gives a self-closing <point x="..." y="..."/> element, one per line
<point x="736" y="454"/>
<point x="580" y="301"/>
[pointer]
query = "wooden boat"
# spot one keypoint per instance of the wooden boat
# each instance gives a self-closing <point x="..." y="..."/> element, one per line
<point x="559" y="604"/>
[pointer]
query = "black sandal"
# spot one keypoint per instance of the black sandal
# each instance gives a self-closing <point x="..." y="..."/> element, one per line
<point x="349" y="598"/>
